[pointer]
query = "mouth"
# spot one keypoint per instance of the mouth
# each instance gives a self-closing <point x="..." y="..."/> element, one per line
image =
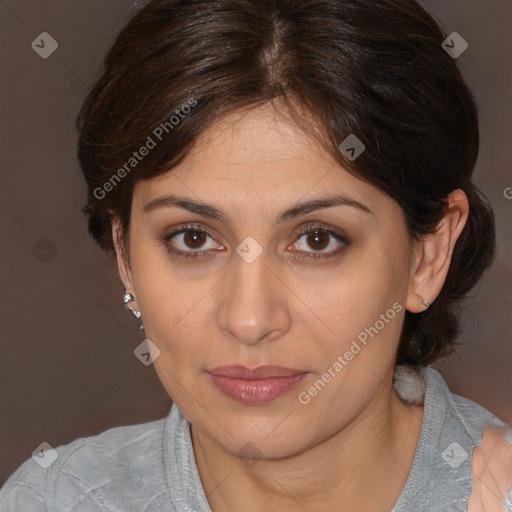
<point x="258" y="386"/>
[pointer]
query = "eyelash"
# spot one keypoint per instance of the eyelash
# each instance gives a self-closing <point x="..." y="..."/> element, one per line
<point x="186" y="228"/>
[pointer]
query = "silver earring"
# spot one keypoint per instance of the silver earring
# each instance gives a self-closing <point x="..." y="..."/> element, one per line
<point x="128" y="297"/>
<point x="426" y="304"/>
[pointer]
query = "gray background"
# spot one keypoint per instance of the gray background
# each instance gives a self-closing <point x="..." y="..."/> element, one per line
<point x="67" y="367"/>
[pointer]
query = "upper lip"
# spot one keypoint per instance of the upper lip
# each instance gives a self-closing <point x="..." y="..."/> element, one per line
<point x="261" y="372"/>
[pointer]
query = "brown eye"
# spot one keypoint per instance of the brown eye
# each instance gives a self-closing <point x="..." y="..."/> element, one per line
<point x="194" y="239"/>
<point x="189" y="241"/>
<point x="318" y="242"/>
<point x="314" y="241"/>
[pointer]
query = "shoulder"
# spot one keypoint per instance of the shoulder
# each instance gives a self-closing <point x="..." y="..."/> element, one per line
<point x="126" y="460"/>
<point x="452" y="429"/>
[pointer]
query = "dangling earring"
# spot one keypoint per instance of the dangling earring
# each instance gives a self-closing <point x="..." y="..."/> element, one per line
<point x="128" y="297"/>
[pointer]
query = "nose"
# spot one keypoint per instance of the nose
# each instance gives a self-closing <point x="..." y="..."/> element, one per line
<point x="253" y="306"/>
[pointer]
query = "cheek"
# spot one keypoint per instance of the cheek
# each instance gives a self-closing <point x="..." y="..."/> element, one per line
<point x="364" y="313"/>
<point x="366" y="286"/>
<point x="174" y="319"/>
<point x="176" y="311"/>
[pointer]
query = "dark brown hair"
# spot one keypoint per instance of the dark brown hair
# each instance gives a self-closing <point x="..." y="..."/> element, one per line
<point x="341" y="67"/>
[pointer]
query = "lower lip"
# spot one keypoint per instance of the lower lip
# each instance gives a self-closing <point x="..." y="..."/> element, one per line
<point x="255" y="391"/>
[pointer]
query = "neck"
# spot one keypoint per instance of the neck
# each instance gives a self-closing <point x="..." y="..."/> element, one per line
<point x="362" y="467"/>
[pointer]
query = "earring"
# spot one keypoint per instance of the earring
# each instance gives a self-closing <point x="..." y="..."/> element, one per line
<point x="426" y="304"/>
<point x="128" y="297"/>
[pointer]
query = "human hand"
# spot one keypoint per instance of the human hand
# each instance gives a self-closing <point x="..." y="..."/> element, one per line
<point x="492" y="474"/>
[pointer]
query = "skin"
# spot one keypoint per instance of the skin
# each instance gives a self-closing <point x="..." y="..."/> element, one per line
<point x="284" y="309"/>
<point x="492" y="473"/>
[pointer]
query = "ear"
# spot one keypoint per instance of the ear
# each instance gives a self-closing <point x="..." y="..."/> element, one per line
<point x="433" y="255"/>
<point x="123" y="264"/>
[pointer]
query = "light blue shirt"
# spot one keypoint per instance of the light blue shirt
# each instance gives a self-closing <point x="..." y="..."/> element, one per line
<point x="150" y="467"/>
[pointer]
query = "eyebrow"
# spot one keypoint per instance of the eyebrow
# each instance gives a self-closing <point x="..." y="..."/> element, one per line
<point x="297" y="210"/>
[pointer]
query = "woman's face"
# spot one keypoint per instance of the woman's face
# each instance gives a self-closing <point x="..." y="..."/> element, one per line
<point x="327" y="306"/>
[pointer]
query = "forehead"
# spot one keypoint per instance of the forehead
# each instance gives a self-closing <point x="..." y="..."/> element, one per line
<point x="258" y="136"/>
<point x="254" y="154"/>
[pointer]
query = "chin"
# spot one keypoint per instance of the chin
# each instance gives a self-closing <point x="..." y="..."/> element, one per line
<point x="268" y="437"/>
<point x="254" y="447"/>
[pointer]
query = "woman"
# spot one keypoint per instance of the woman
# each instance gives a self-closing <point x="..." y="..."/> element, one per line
<point x="287" y="189"/>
